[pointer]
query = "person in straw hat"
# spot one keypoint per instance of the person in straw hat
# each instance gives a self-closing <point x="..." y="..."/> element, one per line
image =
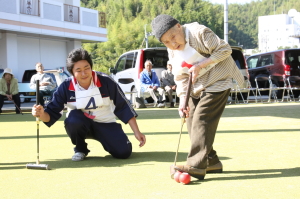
<point x="9" y="89"/>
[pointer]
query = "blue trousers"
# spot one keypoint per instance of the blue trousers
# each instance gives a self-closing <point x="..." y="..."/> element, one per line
<point x="110" y="135"/>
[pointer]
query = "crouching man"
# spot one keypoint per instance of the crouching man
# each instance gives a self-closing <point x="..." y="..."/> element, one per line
<point x="93" y="100"/>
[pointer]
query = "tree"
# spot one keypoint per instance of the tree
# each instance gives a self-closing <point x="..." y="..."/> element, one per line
<point x="126" y="20"/>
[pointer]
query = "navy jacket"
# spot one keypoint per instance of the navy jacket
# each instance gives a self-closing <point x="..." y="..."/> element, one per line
<point x="65" y="94"/>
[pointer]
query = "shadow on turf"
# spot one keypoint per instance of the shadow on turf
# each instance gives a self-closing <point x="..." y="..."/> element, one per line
<point x="258" y="174"/>
<point x="233" y="111"/>
<point x="154" y="133"/>
<point x="107" y="161"/>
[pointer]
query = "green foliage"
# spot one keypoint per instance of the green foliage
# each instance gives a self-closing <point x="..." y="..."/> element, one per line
<point x="126" y="20"/>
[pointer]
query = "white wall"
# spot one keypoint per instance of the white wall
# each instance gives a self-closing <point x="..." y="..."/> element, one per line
<point x="73" y="45"/>
<point x="12" y="53"/>
<point x="8" y="6"/>
<point x="2" y="51"/>
<point x="8" y="52"/>
<point x="53" y="53"/>
<point x="69" y="2"/>
<point x="50" y="53"/>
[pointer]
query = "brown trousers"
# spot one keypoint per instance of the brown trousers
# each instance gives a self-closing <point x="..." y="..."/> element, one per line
<point x="202" y="124"/>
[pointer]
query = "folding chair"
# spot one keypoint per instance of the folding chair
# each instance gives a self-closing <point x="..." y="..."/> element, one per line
<point x="291" y="87"/>
<point x="274" y="81"/>
<point x="249" y="88"/>
<point x="263" y="79"/>
<point x="235" y="90"/>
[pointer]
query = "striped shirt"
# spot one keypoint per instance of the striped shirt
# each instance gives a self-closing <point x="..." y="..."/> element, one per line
<point x="209" y="45"/>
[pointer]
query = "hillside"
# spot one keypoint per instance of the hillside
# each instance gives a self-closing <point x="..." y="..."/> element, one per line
<point x="126" y="20"/>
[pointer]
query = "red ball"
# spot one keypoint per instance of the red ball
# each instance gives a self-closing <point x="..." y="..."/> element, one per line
<point x="185" y="178"/>
<point x="176" y="176"/>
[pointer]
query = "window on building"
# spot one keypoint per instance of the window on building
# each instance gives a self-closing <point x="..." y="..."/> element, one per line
<point x="30" y="7"/>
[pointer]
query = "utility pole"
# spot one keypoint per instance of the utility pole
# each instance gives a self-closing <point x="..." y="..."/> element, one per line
<point x="226" y="21"/>
<point x="146" y="35"/>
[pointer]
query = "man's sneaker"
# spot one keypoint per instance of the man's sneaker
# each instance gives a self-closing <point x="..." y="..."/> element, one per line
<point x="171" y="105"/>
<point x="196" y="173"/>
<point x="216" y="168"/>
<point x="78" y="156"/>
<point x="161" y="105"/>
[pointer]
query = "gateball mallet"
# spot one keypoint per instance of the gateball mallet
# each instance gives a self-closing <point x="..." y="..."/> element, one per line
<point x="17" y="106"/>
<point x="172" y="170"/>
<point x="37" y="165"/>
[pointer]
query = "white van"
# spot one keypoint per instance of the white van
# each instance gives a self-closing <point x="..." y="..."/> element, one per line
<point x="127" y="70"/>
<point x="130" y="64"/>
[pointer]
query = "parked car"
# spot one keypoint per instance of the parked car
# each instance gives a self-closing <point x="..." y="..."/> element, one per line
<point x="281" y="62"/>
<point x="26" y="81"/>
<point x="127" y="70"/>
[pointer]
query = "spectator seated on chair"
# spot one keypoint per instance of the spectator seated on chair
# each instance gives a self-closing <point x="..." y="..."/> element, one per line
<point x="167" y="80"/>
<point x="150" y="83"/>
<point x="47" y="84"/>
<point x="9" y="88"/>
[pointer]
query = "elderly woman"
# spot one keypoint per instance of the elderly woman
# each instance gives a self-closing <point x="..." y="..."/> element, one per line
<point x="9" y="88"/>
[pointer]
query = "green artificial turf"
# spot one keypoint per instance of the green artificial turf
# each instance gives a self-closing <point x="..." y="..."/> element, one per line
<point x="258" y="144"/>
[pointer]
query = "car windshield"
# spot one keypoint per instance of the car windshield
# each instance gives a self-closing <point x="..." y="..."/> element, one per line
<point x="61" y="77"/>
<point x="159" y="58"/>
